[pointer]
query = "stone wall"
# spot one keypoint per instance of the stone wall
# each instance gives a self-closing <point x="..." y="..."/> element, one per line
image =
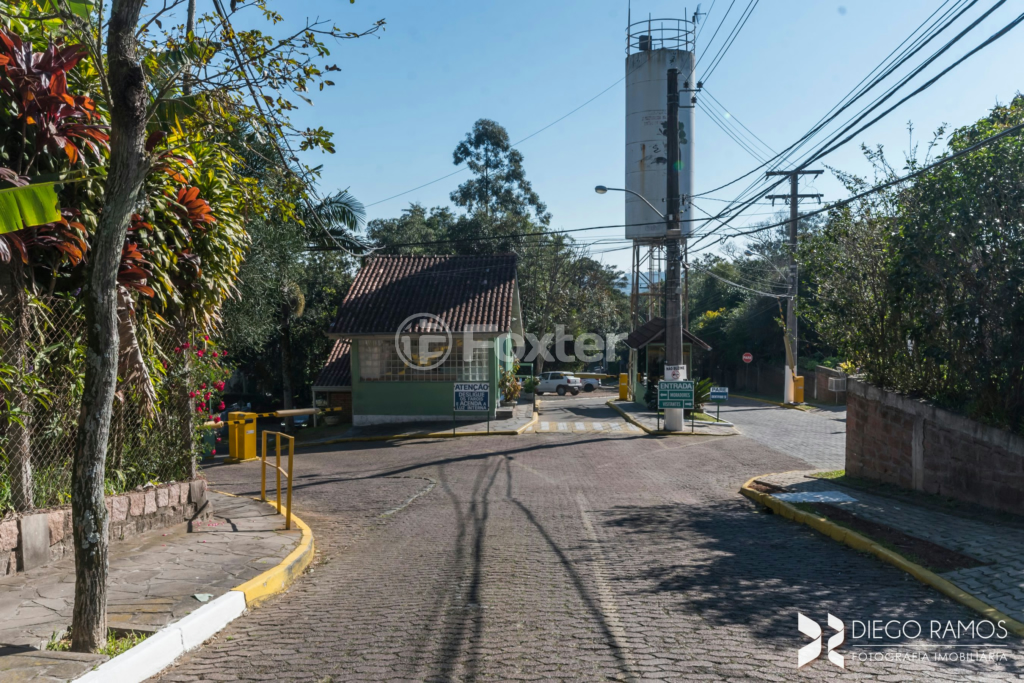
<point x="902" y="441"/>
<point x="34" y="540"/>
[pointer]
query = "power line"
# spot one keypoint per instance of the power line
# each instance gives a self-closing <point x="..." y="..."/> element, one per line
<point x="732" y="117"/>
<point x="734" y="35"/>
<point x="713" y="35"/>
<point x="855" y="94"/>
<point x="715" y="119"/>
<point x="823" y="149"/>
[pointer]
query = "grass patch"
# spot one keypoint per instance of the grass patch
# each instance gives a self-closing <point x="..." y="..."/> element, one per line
<point x="831" y="474"/>
<point x="118" y="642"/>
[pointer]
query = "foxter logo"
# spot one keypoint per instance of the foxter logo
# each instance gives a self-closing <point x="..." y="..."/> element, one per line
<point x="808" y="653"/>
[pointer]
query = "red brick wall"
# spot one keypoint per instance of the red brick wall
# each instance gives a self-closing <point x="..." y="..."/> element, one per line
<point x="951" y="456"/>
<point x="343" y="400"/>
<point x="878" y="442"/>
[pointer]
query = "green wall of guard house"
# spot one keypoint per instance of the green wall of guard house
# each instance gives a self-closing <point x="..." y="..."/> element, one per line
<point x="407" y="399"/>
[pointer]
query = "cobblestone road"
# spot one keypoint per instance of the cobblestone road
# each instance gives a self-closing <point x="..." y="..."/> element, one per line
<point x="818" y="438"/>
<point x="601" y="557"/>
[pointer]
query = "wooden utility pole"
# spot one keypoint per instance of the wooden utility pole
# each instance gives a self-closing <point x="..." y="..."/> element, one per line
<point x="793" y="198"/>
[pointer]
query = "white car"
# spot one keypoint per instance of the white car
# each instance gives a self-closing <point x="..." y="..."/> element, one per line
<point x="591" y="383"/>
<point x="559" y="383"/>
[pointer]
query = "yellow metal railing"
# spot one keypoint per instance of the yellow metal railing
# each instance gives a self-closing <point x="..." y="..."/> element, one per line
<point x="263" y="483"/>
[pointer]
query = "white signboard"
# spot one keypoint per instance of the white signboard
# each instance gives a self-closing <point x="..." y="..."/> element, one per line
<point x="472" y="396"/>
<point x="675" y="373"/>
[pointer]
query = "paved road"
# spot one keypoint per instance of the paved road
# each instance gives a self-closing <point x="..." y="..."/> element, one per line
<point x="818" y="438"/>
<point x="588" y="412"/>
<point x="564" y="558"/>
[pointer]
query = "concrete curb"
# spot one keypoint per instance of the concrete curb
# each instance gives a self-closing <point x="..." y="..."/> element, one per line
<point x="788" y="406"/>
<point x="864" y="544"/>
<point x="163" y="648"/>
<point x="661" y="432"/>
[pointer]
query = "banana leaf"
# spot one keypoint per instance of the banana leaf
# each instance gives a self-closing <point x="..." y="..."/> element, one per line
<point x="29" y="205"/>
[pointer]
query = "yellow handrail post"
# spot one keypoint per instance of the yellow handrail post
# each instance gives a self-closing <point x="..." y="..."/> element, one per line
<point x="263" y="471"/>
<point x="291" y="455"/>
<point x="277" y="453"/>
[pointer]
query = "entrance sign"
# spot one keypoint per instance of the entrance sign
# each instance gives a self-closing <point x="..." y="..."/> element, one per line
<point x="719" y="393"/>
<point x="472" y="396"/>
<point x="674" y="373"/>
<point x="748" y="357"/>
<point x="675" y="394"/>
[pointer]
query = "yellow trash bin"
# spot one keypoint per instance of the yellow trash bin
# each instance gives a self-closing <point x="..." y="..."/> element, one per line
<point x="624" y="386"/>
<point x="242" y="436"/>
<point x="798" y="389"/>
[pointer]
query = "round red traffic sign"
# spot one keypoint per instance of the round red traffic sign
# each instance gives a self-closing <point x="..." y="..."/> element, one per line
<point x="748" y="358"/>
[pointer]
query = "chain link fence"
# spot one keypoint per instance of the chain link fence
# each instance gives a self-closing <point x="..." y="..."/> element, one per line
<point x="42" y="366"/>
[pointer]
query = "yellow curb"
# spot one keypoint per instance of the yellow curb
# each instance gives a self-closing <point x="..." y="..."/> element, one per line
<point x="627" y="416"/>
<point x="864" y="544"/>
<point x="277" y="579"/>
<point x="536" y="416"/>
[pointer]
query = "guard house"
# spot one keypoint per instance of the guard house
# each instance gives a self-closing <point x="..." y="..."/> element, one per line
<point x="648" y="341"/>
<point x="403" y="331"/>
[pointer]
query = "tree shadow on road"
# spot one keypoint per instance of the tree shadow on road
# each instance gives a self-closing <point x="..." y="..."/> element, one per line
<point x="735" y="566"/>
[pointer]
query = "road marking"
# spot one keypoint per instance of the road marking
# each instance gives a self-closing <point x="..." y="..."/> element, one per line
<point x="616" y="427"/>
<point x="632" y="427"/>
<point x="563" y="427"/>
<point x="545" y="426"/>
<point x="598" y="426"/>
<point x="605" y="598"/>
<point x="580" y="426"/>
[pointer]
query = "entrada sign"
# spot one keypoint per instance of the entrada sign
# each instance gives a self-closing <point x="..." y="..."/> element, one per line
<point x="675" y="394"/>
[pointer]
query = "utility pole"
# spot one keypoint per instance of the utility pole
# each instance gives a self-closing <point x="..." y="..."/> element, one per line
<point x="673" y="280"/>
<point x="793" y="198"/>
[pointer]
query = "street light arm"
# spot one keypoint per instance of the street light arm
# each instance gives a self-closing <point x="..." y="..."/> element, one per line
<point x="637" y="194"/>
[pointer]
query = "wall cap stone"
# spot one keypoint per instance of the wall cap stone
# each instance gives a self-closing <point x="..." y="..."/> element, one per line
<point x="944" y="418"/>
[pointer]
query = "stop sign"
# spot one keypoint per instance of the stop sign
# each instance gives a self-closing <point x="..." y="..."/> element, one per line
<point x="748" y="357"/>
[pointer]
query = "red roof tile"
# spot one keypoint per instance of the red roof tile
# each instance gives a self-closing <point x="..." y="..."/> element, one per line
<point x="463" y="291"/>
<point x="337" y="371"/>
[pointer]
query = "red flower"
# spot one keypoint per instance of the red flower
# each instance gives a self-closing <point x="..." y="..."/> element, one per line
<point x="203" y="385"/>
<point x="199" y="408"/>
<point x="177" y="349"/>
<point x="218" y="439"/>
<point x="207" y="397"/>
<point x="214" y="354"/>
<point x="216" y="418"/>
<point x="223" y="354"/>
<point x="206" y="337"/>
<point x="191" y="394"/>
<point x="185" y="345"/>
<point x="214" y="451"/>
<point x="221" y="406"/>
<point x="200" y="353"/>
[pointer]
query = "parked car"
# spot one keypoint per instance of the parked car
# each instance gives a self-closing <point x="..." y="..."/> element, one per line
<point x="558" y="382"/>
<point x="591" y="383"/>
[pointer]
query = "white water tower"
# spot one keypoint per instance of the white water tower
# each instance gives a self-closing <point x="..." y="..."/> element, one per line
<point x="654" y="46"/>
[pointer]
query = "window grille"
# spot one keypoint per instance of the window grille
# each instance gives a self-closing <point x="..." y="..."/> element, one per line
<point x="379" y="361"/>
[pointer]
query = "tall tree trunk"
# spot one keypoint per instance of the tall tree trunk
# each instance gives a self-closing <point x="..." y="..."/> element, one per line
<point x="286" y="364"/>
<point x="14" y="301"/>
<point x="127" y="169"/>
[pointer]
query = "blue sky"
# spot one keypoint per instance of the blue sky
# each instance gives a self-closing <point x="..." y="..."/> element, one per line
<point x="403" y="100"/>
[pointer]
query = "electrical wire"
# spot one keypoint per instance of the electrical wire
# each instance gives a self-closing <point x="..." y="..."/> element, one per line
<point x="718" y="122"/>
<point x="751" y="6"/>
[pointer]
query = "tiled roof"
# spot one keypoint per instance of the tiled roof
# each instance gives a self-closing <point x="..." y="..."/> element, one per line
<point x="654" y="331"/>
<point x="466" y="292"/>
<point x="337" y="371"/>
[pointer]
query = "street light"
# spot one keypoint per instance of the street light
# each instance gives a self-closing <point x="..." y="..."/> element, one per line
<point x="601" y="189"/>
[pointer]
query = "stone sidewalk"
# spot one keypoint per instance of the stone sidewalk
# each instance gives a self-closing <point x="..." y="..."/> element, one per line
<point x="649" y="419"/>
<point x="154" y="580"/>
<point x="1000" y="546"/>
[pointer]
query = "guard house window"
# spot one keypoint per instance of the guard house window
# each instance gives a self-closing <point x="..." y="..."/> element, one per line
<point x="379" y="362"/>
